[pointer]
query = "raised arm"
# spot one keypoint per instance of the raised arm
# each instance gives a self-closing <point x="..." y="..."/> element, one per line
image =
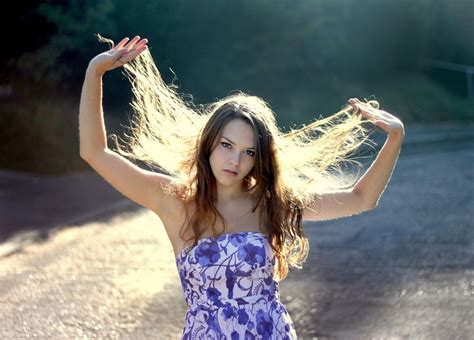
<point x="142" y="186"/>
<point x="371" y="186"/>
<point x="367" y="191"/>
<point x="92" y="135"/>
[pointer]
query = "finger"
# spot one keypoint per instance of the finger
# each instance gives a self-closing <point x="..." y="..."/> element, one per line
<point x="357" y="105"/>
<point x="141" y="49"/>
<point x="121" y="43"/>
<point x="129" y="55"/>
<point x="119" y="54"/>
<point x="141" y="43"/>
<point x="132" y="42"/>
<point x="352" y="103"/>
<point x="368" y="108"/>
<point x="369" y="114"/>
<point x="133" y="54"/>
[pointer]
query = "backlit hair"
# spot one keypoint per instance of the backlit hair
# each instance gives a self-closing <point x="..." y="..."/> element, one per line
<point x="291" y="168"/>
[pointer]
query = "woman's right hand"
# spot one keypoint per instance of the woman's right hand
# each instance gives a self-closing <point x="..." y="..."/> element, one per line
<point x="119" y="55"/>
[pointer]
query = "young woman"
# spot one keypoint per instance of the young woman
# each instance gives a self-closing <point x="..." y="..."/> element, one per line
<point x="234" y="190"/>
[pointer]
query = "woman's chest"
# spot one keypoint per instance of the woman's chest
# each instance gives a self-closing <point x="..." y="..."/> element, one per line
<point x="238" y="218"/>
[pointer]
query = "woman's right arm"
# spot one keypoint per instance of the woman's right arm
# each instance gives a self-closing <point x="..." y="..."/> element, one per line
<point x="92" y="135"/>
<point x="142" y="186"/>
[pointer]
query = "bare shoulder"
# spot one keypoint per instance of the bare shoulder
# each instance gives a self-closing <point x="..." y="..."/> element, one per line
<point x="152" y="190"/>
<point x="171" y="209"/>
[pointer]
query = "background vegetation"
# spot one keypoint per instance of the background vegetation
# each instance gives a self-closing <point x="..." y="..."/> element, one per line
<point x="305" y="58"/>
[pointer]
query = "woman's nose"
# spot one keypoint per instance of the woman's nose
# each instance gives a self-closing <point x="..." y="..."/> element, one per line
<point x="235" y="159"/>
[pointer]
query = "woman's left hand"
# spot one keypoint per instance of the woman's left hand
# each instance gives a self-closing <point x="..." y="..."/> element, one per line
<point x="386" y="121"/>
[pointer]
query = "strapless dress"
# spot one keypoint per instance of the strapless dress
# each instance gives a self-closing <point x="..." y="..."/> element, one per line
<point x="229" y="287"/>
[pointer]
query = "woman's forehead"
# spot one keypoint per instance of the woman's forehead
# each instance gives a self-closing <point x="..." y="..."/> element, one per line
<point x="239" y="132"/>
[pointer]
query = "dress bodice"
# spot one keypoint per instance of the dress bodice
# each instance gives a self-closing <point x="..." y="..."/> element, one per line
<point x="229" y="287"/>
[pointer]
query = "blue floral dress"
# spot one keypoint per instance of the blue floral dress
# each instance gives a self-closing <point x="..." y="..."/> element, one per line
<point x="230" y="291"/>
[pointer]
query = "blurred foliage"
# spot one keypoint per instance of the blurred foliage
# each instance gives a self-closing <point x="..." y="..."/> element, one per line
<point x="454" y="32"/>
<point x="305" y="58"/>
<point x="264" y="47"/>
<point x="66" y="54"/>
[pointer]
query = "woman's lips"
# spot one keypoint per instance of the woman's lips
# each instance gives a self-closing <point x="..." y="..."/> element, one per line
<point x="231" y="173"/>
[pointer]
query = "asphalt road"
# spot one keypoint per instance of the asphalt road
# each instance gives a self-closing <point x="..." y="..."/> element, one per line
<point x="402" y="271"/>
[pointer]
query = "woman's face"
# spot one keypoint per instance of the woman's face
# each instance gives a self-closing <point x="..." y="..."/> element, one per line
<point x="234" y="152"/>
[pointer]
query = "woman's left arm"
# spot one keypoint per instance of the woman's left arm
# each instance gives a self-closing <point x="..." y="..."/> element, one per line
<point x="364" y="195"/>
<point x="371" y="185"/>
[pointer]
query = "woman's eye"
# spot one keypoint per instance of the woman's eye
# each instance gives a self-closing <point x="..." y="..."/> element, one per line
<point x="227" y="146"/>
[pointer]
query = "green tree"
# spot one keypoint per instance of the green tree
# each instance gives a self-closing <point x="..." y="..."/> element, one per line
<point x="71" y="46"/>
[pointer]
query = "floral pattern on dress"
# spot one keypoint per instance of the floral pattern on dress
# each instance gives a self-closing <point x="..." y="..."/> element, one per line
<point x="229" y="287"/>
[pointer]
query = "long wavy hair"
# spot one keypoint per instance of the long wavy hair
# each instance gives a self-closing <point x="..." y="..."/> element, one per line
<point x="291" y="168"/>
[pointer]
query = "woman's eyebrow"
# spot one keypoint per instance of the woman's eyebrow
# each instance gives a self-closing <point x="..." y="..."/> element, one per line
<point x="234" y="143"/>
